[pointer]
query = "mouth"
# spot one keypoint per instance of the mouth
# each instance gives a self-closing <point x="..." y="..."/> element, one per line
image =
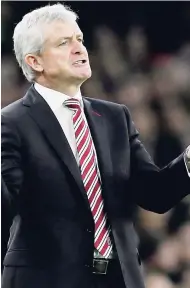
<point x="80" y="62"/>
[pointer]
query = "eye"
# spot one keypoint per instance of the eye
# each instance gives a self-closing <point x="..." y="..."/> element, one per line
<point x="81" y="40"/>
<point x="63" y="43"/>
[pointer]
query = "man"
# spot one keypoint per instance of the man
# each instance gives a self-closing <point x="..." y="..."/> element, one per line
<point x="74" y="169"/>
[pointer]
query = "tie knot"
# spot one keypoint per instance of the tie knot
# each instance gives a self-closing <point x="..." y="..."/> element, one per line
<point x="72" y="103"/>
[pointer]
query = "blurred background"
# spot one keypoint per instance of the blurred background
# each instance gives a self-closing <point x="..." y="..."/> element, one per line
<point x="140" y="56"/>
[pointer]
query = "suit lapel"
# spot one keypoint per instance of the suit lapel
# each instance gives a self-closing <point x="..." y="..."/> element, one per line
<point x="50" y="127"/>
<point x="97" y="124"/>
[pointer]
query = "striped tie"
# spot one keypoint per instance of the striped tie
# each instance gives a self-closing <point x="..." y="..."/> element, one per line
<point x="90" y="178"/>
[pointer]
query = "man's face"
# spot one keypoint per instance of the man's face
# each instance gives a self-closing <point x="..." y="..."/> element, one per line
<point x="64" y="57"/>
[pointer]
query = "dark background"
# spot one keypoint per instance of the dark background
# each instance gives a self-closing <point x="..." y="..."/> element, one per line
<point x="150" y="73"/>
<point x="167" y="23"/>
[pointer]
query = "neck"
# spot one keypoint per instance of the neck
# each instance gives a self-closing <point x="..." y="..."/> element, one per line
<point x="71" y="90"/>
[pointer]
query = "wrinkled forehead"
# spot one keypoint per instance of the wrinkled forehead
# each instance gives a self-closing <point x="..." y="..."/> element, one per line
<point x="60" y="29"/>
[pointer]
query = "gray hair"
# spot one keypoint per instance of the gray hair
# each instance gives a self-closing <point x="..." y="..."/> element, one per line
<point x="28" y="36"/>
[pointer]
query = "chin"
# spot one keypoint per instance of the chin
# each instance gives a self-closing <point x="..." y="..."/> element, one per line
<point x="87" y="72"/>
<point x="85" y="76"/>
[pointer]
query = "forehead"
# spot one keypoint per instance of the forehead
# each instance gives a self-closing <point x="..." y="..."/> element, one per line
<point x="58" y="29"/>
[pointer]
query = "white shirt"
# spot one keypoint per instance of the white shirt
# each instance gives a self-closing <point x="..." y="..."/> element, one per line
<point x="63" y="114"/>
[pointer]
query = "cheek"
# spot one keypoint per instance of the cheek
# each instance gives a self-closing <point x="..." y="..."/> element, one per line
<point x="55" y="61"/>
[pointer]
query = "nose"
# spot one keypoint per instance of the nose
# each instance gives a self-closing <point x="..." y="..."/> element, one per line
<point x="78" y="48"/>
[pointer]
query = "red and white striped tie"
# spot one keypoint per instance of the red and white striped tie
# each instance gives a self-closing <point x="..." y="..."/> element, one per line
<point x="88" y="167"/>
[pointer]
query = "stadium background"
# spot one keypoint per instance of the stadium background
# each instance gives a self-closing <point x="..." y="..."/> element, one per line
<point x="140" y="56"/>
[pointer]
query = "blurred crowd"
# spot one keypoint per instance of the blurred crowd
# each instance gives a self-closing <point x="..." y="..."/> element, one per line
<point x="156" y="88"/>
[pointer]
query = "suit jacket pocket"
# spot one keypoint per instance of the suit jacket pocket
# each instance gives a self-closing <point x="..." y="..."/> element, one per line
<point x="20" y="257"/>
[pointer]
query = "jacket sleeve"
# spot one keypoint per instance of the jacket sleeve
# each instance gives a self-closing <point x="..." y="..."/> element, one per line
<point x="11" y="164"/>
<point x="155" y="189"/>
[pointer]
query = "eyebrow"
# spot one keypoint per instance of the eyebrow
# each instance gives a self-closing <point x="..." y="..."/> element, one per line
<point x="69" y="37"/>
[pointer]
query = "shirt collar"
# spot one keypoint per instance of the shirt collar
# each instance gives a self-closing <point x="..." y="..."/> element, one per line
<point x="54" y="98"/>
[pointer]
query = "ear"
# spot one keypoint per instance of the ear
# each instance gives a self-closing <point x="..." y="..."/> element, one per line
<point x="34" y="62"/>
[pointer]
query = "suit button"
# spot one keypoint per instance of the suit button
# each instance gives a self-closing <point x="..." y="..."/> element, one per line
<point x="87" y="265"/>
<point x="88" y="230"/>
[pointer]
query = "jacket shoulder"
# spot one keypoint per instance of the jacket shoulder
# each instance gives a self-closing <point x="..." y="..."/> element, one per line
<point x="14" y="110"/>
<point x="102" y="102"/>
<point x="108" y="105"/>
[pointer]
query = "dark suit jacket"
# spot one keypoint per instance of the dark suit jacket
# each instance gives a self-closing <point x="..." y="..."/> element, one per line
<point x="51" y="238"/>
